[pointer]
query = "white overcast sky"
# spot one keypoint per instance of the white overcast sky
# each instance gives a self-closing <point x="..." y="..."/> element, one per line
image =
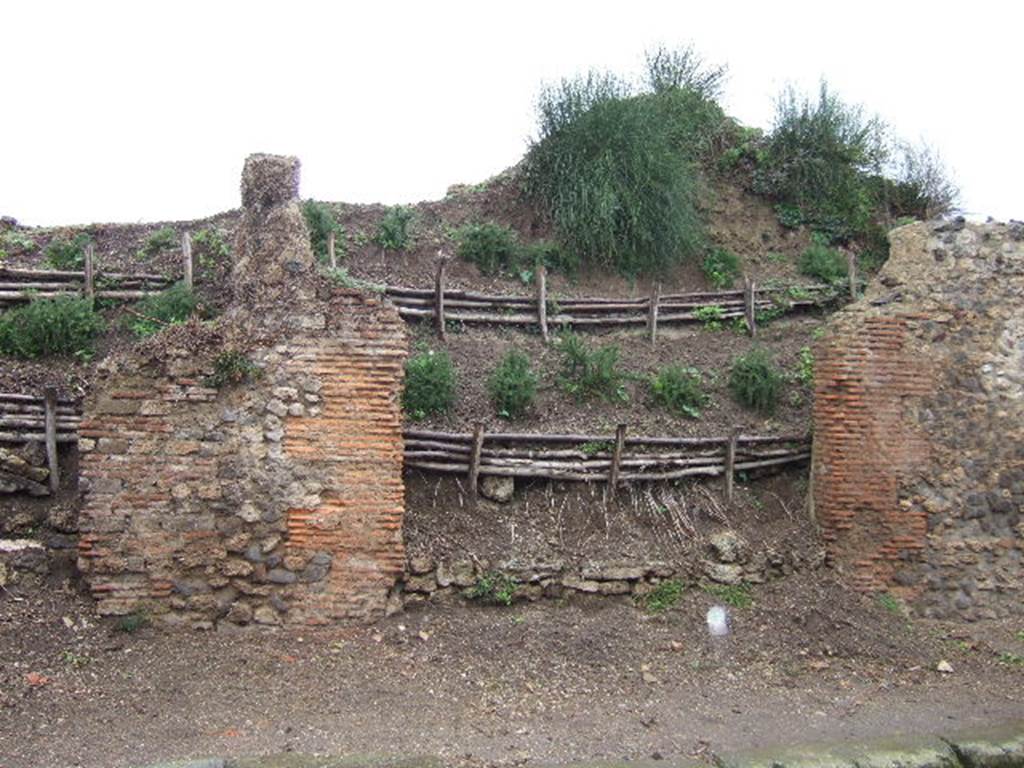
<point x="144" y="111"/>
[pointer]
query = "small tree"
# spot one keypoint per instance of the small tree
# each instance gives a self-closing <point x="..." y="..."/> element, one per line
<point x="513" y="385"/>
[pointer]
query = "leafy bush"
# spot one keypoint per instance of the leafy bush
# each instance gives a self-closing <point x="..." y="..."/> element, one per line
<point x="65" y="325"/>
<point x="173" y="305"/>
<point x="513" y="385"/>
<point x="164" y="239"/>
<point x="62" y="253"/>
<point x="429" y="384"/>
<point x="613" y="166"/>
<point x="721" y="268"/>
<point x="819" y="158"/>
<point x="824" y="263"/>
<point x="591" y="372"/>
<point x="321" y="222"/>
<point x="232" y="367"/>
<point x="680" y="390"/>
<point x="492" y="247"/>
<point x="393" y="229"/>
<point x="494" y="587"/>
<point x="755" y="382"/>
<point x="710" y="316"/>
<point x="663" y="596"/>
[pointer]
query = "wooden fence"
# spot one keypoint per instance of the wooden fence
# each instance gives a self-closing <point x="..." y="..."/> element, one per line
<point x="22" y="285"/>
<point x="610" y="459"/>
<point x="444" y="305"/>
<point x="46" y="419"/>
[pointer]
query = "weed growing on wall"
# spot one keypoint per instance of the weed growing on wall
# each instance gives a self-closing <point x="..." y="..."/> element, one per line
<point x="494" y="587"/>
<point x="232" y="367"/>
<point x="513" y="385"/>
<point x="429" y="384"/>
<point x="755" y="382"/>
<point x="680" y="390"/>
<point x="66" y="325"/>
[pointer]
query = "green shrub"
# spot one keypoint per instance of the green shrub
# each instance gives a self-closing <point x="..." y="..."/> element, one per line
<point x="393" y="229"/>
<point x="824" y="263"/>
<point x="320" y="222"/>
<point x="173" y="305"/>
<point x="680" y="390"/>
<point x="513" y="385"/>
<point x="922" y="188"/>
<point x="614" y="169"/>
<point x="492" y="247"/>
<point x="66" y="325"/>
<point x="211" y="248"/>
<point x="62" y="253"/>
<point x="494" y="587"/>
<point x="232" y="367"/>
<point x="663" y="596"/>
<point x="429" y="384"/>
<point x="755" y="382"/>
<point x="721" y="268"/>
<point x="164" y="239"/>
<point x="591" y="372"/>
<point x="820" y="157"/>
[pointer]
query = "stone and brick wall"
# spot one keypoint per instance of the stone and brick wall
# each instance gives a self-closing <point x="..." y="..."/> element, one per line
<point x="277" y="499"/>
<point x="918" y="468"/>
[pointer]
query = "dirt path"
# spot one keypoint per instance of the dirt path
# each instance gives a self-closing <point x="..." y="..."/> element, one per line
<point x="534" y="683"/>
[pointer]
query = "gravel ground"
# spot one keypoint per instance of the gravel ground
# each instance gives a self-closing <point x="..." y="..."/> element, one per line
<point x="535" y="683"/>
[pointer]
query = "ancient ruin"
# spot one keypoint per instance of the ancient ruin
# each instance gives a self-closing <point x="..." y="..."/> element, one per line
<point x="918" y="471"/>
<point x="253" y="468"/>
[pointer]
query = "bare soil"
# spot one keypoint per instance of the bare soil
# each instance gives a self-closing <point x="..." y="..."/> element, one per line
<point x="571" y="524"/>
<point x="531" y="684"/>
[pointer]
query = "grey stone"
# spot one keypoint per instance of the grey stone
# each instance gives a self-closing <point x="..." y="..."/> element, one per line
<point x="277" y="408"/>
<point x="266" y="615"/>
<point x="500" y="489"/>
<point x="727" y="547"/>
<point x="281" y="576"/>
<point x="724" y="573"/>
<point x="458" y="573"/>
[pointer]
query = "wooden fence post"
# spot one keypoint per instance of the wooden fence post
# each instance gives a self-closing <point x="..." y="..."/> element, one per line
<point x="439" y="299"/>
<point x="730" y="464"/>
<point x="852" y="269"/>
<point x="186" y="258"/>
<point x="542" y="301"/>
<point x="90" y="285"/>
<point x="652" y="312"/>
<point x="50" y="409"/>
<point x="750" y="306"/>
<point x="474" y="459"/>
<point x="330" y="250"/>
<point x="613" y="473"/>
